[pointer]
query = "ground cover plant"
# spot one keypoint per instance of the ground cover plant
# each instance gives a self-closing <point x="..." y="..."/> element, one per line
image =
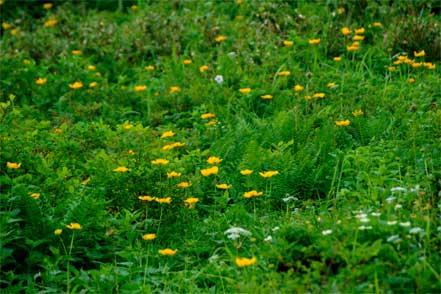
<point x="220" y="146"/>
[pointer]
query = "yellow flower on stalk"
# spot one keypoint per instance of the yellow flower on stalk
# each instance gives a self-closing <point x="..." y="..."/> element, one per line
<point x="190" y="202"/>
<point x="74" y="226"/>
<point x="209" y="171"/>
<point x="34" y="195"/>
<point x="318" y="95"/>
<point x="174" y="89"/>
<point x="51" y="22"/>
<point x="133" y="7"/>
<point x="173" y="145"/>
<point x="268" y="174"/>
<point x="14" y="31"/>
<point x="429" y="65"/>
<point x="419" y="54"/>
<point x="360" y="31"/>
<point x="93" y="84"/>
<point x="207" y="115"/>
<point x="377" y="25"/>
<point x="121" y="169"/>
<point x="167" y="134"/>
<point x="187" y="61"/>
<point x="26" y="61"/>
<point x="13" y="165"/>
<point x="346" y="31"/>
<point x="223" y="186"/>
<point x="160" y="161"/>
<point x="149" y="67"/>
<point x="220" y="39"/>
<point x="298" y="88"/>
<point x="288" y="43"/>
<point x="284" y="73"/>
<point x="146" y="198"/>
<point x="308" y="97"/>
<point x="167" y="200"/>
<point x="212" y="122"/>
<point x="149" y="237"/>
<point x="397" y="62"/>
<point x="243" y="261"/>
<point x="358" y="38"/>
<point x="411" y="80"/>
<point x="76" y="85"/>
<point x="58" y="232"/>
<point x="127" y="126"/>
<point x="184" y="185"/>
<point x="86" y="181"/>
<point x="352" y="48"/>
<point x="343" y="123"/>
<point x="341" y="10"/>
<point x="140" y="88"/>
<point x="91" y="67"/>
<point x="337" y="58"/>
<point x="203" y="68"/>
<point x="167" y="252"/>
<point x="417" y="64"/>
<point x="246" y="172"/>
<point x="245" y="90"/>
<point x="41" y="81"/>
<point x="251" y="194"/>
<point x="266" y="97"/>
<point x="173" y="174"/>
<point x="76" y="52"/>
<point x="330" y="85"/>
<point x="391" y="68"/>
<point x="6" y="25"/>
<point x="314" y="41"/>
<point x="357" y="112"/>
<point x="213" y="160"/>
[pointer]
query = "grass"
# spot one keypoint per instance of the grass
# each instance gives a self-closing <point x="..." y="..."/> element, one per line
<point x="102" y="100"/>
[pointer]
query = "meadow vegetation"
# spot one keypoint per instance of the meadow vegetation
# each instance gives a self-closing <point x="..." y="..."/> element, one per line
<point x="220" y="146"/>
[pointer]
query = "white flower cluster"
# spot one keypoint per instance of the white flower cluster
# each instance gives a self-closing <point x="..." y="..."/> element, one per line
<point x="235" y="233"/>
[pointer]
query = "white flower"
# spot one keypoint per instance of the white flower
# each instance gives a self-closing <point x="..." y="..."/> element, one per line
<point x="391" y="223"/>
<point x="439" y="229"/>
<point x="416" y="230"/>
<point x="376" y="214"/>
<point x="213" y="258"/>
<point x="362" y="228"/>
<point x="289" y="199"/>
<point x="398" y="189"/>
<point x="268" y="239"/>
<point x="364" y="220"/>
<point x="415" y="189"/>
<point x="361" y="215"/>
<point x="390" y="199"/>
<point x="398" y="206"/>
<point x="219" y="79"/>
<point x="326" y="232"/>
<point x="405" y="224"/>
<point x="232" y="54"/>
<point x="394" y="238"/>
<point x="275" y="229"/>
<point x="235" y="233"/>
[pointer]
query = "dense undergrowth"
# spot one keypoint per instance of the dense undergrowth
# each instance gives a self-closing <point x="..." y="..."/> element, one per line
<point x="220" y="146"/>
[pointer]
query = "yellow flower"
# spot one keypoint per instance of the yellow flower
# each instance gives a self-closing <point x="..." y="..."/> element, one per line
<point x="41" y="81"/>
<point x="188" y="61"/>
<point x="298" y="88"/>
<point x="223" y="186"/>
<point x="98" y="74"/>
<point x="58" y="232"/>
<point x="26" y="61"/>
<point x="429" y="65"/>
<point x="314" y="41"/>
<point x="360" y="31"/>
<point x="160" y="161"/>
<point x="76" y="85"/>
<point x="341" y="10"/>
<point x="167" y="251"/>
<point x="358" y="38"/>
<point x="34" y="195"/>
<point x="91" y="67"/>
<point x="74" y="226"/>
<point x="284" y="73"/>
<point x="308" y="97"/>
<point x="13" y="165"/>
<point x="167" y="200"/>
<point x="220" y="39"/>
<point x="345" y="31"/>
<point x="343" y="123"/>
<point x="6" y="26"/>
<point x="268" y="174"/>
<point x="86" y="181"/>
<point x="203" y="68"/>
<point x="167" y="134"/>
<point x="121" y="169"/>
<point x="212" y="122"/>
<point x="173" y="174"/>
<point x="51" y="22"/>
<point x="352" y="47"/>
<point x="397" y="62"/>
<point x="149" y="67"/>
<point x="134" y="7"/>
<point x="419" y="54"/>
<point x="207" y="115"/>
<point x="330" y="85"/>
<point x="246" y="172"/>
<point x="93" y="84"/>
<point x="357" y="112"/>
<point x="213" y="160"/>
<point x="184" y="185"/>
<point x="337" y="59"/>
<point x="146" y="198"/>
<point x="140" y="88"/>
<point x="411" y="80"/>
<point x="243" y="261"/>
<point x="245" y="90"/>
<point x="174" y="89"/>
<point x="288" y="43"/>
<point x="391" y="68"/>
<point x="417" y="64"/>
<point x="173" y="145"/>
<point x="210" y="171"/>
<point x="149" y="237"/>
<point x="252" y="193"/>
<point x="377" y="24"/>
<point x="76" y="52"/>
<point x="318" y="95"/>
<point x="131" y="152"/>
<point x="14" y="31"/>
<point x="266" y="97"/>
<point x="190" y="202"/>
